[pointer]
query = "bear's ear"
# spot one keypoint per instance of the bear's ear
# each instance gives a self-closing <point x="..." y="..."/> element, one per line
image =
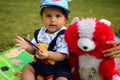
<point x="105" y="21"/>
<point x="76" y="19"/>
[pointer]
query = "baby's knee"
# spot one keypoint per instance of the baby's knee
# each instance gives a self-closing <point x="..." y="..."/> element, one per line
<point x="28" y="67"/>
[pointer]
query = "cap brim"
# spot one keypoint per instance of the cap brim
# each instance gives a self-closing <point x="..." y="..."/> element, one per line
<point x="47" y="5"/>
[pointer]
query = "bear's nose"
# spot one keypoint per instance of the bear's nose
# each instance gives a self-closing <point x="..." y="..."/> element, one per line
<point x="85" y="47"/>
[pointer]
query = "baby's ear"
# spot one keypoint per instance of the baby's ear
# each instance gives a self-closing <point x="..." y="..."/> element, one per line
<point x="105" y="21"/>
<point x="76" y="19"/>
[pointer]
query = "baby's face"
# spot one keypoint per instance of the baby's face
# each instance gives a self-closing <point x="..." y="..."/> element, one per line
<point x="53" y="19"/>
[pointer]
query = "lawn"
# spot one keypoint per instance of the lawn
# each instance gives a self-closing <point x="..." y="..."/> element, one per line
<point x="21" y="17"/>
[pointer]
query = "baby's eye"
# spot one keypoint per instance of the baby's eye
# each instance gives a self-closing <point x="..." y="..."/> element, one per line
<point x="94" y="39"/>
<point x="58" y="16"/>
<point x="78" y="37"/>
<point x="48" y="15"/>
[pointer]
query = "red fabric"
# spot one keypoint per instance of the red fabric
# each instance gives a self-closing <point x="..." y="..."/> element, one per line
<point x="73" y="60"/>
<point x="107" y="68"/>
<point x="101" y="35"/>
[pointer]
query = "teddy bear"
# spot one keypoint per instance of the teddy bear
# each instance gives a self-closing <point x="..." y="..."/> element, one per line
<point x="86" y="39"/>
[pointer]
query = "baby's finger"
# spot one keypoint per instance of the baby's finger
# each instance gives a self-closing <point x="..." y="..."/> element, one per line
<point x="19" y="38"/>
<point x="113" y="54"/>
<point x="108" y="55"/>
<point x="17" y="44"/>
<point x="117" y="48"/>
<point x="116" y="56"/>
<point x="18" y="74"/>
<point x="28" y="36"/>
<point x="116" y="42"/>
<point x="108" y="51"/>
<point x="20" y="48"/>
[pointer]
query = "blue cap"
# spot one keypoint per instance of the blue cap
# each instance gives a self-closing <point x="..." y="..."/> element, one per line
<point x="59" y="3"/>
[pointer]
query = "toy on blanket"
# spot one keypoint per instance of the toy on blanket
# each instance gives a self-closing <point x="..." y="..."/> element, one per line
<point x="86" y="39"/>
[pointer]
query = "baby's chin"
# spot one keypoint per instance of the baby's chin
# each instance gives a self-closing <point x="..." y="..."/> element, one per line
<point x="52" y="31"/>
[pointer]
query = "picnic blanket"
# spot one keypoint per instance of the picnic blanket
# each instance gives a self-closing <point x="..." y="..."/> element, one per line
<point x="12" y="61"/>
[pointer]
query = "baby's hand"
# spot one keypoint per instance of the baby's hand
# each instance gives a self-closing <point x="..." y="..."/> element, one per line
<point x="21" y="43"/>
<point x="42" y="54"/>
<point x="113" y="52"/>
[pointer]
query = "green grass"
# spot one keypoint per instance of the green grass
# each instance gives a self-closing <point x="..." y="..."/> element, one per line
<point x="21" y="17"/>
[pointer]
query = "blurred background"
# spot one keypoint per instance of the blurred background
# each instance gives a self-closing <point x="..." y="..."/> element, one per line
<point x="21" y="17"/>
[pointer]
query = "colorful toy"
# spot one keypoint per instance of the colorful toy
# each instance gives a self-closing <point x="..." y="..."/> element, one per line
<point x="87" y="39"/>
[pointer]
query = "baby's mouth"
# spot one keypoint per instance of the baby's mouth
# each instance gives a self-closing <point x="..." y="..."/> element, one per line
<point x="51" y="25"/>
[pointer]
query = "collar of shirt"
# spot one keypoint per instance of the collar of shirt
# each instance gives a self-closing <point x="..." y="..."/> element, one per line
<point x="46" y="37"/>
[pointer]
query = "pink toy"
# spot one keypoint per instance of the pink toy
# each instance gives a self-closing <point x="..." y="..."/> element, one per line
<point x="87" y="39"/>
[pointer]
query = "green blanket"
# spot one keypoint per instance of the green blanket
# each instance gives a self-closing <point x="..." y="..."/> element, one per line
<point x="12" y="61"/>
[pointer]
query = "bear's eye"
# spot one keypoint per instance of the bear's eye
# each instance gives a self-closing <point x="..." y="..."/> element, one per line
<point x="78" y="37"/>
<point x="94" y="39"/>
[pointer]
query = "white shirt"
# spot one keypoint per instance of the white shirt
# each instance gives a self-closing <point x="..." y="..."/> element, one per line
<point x="61" y="45"/>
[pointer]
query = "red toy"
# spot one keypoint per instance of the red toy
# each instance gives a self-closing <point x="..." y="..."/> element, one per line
<point x="87" y="39"/>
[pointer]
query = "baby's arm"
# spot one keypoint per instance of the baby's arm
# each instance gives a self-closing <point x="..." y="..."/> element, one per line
<point x="56" y="56"/>
<point x="24" y="45"/>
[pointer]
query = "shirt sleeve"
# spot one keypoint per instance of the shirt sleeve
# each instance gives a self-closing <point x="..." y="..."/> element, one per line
<point x="61" y="45"/>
